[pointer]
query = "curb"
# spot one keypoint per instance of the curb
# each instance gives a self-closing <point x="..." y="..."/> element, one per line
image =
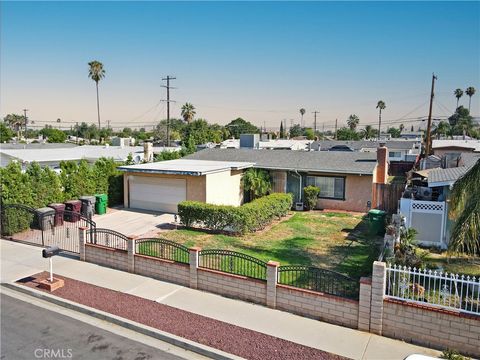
<point x="132" y="325"/>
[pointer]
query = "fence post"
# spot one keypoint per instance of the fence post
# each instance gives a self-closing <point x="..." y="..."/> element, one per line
<point x="364" y="305"/>
<point x="82" y="237"/>
<point x="272" y="271"/>
<point x="131" y="253"/>
<point x="193" y="259"/>
<point x="379" y="279"/>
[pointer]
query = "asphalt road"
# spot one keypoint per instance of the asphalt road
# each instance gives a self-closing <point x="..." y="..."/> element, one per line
<point x="30" y="332"/>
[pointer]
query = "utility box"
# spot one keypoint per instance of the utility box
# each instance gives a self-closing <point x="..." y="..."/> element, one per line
<point x="46" y="218"/>
<point x="59" y="212"/>
<point x="250" y="141"/>
<point x="72" y="210"/>
<point x="101" y="203"/>
<point x="376" y="219"/>
<point x="88" y="206"/>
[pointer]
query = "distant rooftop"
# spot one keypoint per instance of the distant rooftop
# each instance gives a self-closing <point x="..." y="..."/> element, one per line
<point x="364" y="144"/>
<point x="448" y="176"/>
<point x="466" y="144"/>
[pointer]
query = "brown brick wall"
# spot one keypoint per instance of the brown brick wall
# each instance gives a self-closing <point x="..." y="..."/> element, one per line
<point x="113" y="258"/>
<point x="162" y="269"/>
<point x="320" y="306"/>
<point x="432" y="327"/>
<point x="234" y="286"/>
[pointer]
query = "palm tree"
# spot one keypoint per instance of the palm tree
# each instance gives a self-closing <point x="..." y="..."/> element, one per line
<point x="458" y="94"/>
<point x="401" y="127"/>
<point x="470" y="92"/>
<point x="302" y="112"/>
<point x="257" y="182"/>
<point x="353" y="121"/>
<point x="380" y="106"/>
<point x="369" y="132"/>
<point x="443" y="128"/>
<point x="465" y="209"/>
<point x="188" y="112"/>
<point x="96" y="73"/>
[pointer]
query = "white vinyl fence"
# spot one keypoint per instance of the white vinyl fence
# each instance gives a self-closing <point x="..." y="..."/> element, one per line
<point x="448" y="291"/>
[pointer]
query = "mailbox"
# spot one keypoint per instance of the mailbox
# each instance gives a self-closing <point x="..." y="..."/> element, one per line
<point x="50" y="251"/>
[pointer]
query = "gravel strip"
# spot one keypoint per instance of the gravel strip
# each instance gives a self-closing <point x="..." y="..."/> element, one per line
<point x="217" y="334"/>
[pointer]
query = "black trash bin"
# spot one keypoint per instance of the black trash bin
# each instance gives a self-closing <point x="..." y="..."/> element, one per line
<point x="46" y="218"/>
<point x="88" y="206"/>
<point x="72" y="210"/>
<point x="59" y="212"/>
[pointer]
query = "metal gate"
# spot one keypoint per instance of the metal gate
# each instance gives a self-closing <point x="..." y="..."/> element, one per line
<point x="23" y="223"/>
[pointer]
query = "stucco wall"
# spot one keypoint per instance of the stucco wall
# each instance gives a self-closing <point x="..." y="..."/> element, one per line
<point x="224" y="188"/>
<point x="451" y="150"/>
<point x="358" y="190"/>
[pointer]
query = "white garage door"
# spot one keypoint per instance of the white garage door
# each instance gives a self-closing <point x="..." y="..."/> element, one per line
<point x="157" y="194"/>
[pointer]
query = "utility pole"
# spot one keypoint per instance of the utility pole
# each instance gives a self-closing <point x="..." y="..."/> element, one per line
<point x="429" y="124"/>
<point x="78" y="133"/>
<point x="168" y="78"/>
<point x="26" y="122"/>
<point x="336" y="121"/>
<point x="315" y="121"/>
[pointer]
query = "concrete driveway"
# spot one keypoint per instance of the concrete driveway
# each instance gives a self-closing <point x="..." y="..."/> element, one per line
<point x="135" y="222"/>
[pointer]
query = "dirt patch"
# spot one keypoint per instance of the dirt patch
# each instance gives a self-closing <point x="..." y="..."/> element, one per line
<point x="217" y="334"/>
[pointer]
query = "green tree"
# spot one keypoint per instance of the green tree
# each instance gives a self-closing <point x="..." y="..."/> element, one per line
<point x="353" y="121"/>
<point x="5" y="133"/>
<point x="257" y="182"/>
<point x="282" y="131"/>
<point x="380" y="106"/>
<point x="302" y="112"/>
<point x="309" y="133"/>
<point x="470" y="92"/>
<point x="15" y="122"/>
<point x="96" y="72"/>
<point x="394" y="132"/>
<point x="461" y="122"/>
<point x="188" y="112"/>
<point x="311" y="196"/>
<point x="15" y="185"/>
<point x="53" y="135"/>
<point x="201" y="132"/>
<point x="296" y="130"/>
<point x="369" y="132"/>
<point x="443" y="128"/>
<point x="465" y="210"/>
<point x="240" y="126"/>
<point x="345" y="133"/>
<point x="458" y="94"/>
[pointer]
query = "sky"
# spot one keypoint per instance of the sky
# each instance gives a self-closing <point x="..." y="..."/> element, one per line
<point x="261" y="61"/>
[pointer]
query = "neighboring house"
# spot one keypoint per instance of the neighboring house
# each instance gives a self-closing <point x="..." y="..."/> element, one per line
<point x="160" y="186"/>
<point x="424" y="203"/>
<point x="346" y="179"/>
<point x="454" y="147"/>
<point x="52" y="156"/>
<point x="119" y="141"/>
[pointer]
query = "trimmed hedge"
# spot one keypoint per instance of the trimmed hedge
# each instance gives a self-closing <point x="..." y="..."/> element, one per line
<point x="249" y="217"/>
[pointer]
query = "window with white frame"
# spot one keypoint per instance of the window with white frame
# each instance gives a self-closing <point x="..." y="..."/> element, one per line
<point x="395" y="154"/>
<point x="331" y="187"/>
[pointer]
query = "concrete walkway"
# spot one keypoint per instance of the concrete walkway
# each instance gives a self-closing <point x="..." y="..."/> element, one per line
<point x="19" y="260"/>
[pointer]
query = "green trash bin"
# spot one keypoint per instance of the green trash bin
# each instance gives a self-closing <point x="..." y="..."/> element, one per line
<point x="377" y="221"/>
<point x="101" y="203"/>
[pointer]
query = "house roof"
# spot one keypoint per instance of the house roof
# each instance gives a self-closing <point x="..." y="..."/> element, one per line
<point x="9" y="146"/>
<point x="362" y="163"/>
<point x="472" y="144"/>
<point x="365" y="144"/>
<point x="448" y="176"/>
<point x="186" y="167"/>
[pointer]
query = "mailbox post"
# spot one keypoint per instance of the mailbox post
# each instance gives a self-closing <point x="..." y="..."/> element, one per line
<point x="51" y="284"/>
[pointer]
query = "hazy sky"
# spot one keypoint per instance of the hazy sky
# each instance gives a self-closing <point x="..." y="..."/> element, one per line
<point x="259" y="61"/>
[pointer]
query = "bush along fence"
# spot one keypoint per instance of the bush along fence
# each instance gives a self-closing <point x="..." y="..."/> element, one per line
<point x="249" y="217"/>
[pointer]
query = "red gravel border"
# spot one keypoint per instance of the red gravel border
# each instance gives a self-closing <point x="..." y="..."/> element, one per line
<point x="217" y="334"/>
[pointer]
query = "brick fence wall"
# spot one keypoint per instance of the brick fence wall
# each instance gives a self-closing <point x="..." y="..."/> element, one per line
<point x="374" y="312"/>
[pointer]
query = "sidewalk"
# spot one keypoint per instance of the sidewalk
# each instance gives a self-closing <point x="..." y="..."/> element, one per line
<point x="19" y="260"/>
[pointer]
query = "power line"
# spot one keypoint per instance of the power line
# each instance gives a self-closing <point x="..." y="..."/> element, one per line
<point x="315" y="121"/>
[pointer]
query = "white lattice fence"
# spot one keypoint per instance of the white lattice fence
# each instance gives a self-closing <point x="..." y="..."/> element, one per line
<point x="449" y="291"/>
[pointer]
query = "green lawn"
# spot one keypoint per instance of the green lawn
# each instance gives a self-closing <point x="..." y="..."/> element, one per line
<point x="455" y="264"/>
<point x="335" y="241"/>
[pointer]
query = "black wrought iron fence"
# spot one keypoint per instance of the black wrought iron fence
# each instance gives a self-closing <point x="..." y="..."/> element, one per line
<point x="108" y="238"/>
<point x="163" y="249"/>
<point x="234" y="263"/>
<point x="320" y="280"/>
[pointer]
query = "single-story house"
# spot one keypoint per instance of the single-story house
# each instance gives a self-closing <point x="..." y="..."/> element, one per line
<point x="346" y="179"/>
<point x="454" y="147"/>
<point x="160" y="186"/>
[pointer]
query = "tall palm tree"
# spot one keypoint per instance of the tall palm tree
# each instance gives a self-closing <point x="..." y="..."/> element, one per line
<point x="465" y="209"/>
<point x="458" y="94"/>
<point x="369" y="132"/>
<point x="353" y="121"/>
<point x="96" y="73"/>
<point x="380" y="106"/>
<point x="302" y="112"/>
<point x="188" y="112"/>
<point x="443" y="128"/>
<point x="470" y="92"/>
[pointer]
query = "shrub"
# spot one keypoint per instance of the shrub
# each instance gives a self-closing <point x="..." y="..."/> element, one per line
<point x="242" y="219"/>
<point x="311" y="195"/>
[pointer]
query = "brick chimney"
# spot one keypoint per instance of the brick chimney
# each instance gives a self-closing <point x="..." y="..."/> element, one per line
<point x="382" y="164"/>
